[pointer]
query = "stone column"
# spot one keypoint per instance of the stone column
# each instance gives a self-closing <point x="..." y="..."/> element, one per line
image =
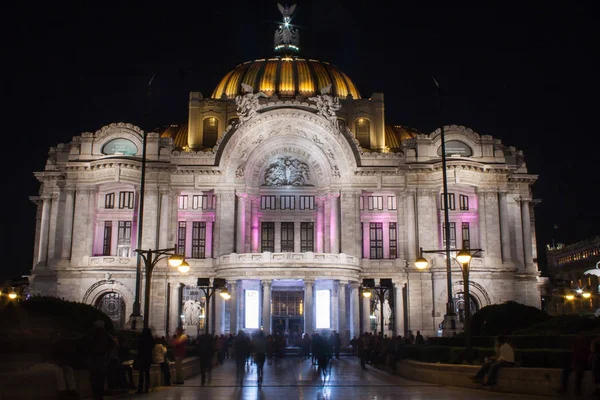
<point x="401" y="225"/>
<point x="334" y="307"/>
<point x="266" y="306"/>
<point x="174" y="316"/>
<point x="350" y="223"/>
<point x="44" y="227"/>
<point x="91" y="222"/>
<point x="53" y="239"/>
<point x="527" y="237"/>
<point x="224" y="223"/>
<point x="233" y="307"/>
<point x="342" y="321"/>
<point x="354" y="310"/>
<point x="80" y="220"/>
<point x="163" y="223"/>
<point x="308" y="306"/>
<point x="504" y="227"/>
<point x="411" y="236"/>
<point x="320" y="226"/>
<point x="335" y="223"/>
<point x="68" y="222"/>
<point x="240" y="234"/>
<point x="217" y="300"/>
<point x="255" y="224"/>
<point x="492" y="224"/>
<point x="173" y="220"/>
<point x="398" y="309"/>
<point x="481" y="217"/>
<point x="366" y="314"/>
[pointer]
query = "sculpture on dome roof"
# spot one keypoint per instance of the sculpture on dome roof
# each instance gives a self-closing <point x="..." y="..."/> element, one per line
<point x="327" y="105"/>
<point x="247" y="104"/>
<point x="287" y="37"/>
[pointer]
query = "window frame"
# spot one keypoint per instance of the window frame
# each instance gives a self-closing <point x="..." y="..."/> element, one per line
<point x="268" y="243"/>
<point x="376" y="240"/>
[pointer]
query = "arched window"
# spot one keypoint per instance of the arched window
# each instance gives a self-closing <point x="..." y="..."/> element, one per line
<point x="113" y="305"/>
<point x="210" y="131"/>
<point x="363" y="132"/>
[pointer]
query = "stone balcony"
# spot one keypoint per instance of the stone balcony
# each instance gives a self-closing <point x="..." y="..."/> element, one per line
<point x="288" y="266"/>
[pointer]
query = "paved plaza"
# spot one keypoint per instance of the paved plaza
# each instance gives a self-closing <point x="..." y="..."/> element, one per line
<point x="294" y="378"/>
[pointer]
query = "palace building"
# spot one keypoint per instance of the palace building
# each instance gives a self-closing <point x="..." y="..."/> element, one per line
<point x="288" y="184"/>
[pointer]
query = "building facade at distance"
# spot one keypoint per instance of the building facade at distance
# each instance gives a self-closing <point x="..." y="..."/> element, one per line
<point x="292" y="187"/>
<point x="574" y="271"/>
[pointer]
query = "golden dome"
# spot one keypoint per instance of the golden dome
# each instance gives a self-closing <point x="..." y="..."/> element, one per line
<point x="286" y="77"/>
<point x="395" y="134"/>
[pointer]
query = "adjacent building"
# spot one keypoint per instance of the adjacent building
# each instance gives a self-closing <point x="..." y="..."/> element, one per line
<point x="290" y="185"/>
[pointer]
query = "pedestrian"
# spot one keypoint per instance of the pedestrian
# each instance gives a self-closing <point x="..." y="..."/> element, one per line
<point x="179" y="345"/>
<point x="144" y="360"/>
<point x="206" y="350"/>
<point x="419" y="339"/>
<point x="595" y="361"/>
<point x="241" y="346"/>
<point x="579" y="361"/>
<point x="159" y="356"/>
<point x="100" y="342"/>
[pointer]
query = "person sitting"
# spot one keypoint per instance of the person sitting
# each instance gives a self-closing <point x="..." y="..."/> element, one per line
<point x="505" y="358"/>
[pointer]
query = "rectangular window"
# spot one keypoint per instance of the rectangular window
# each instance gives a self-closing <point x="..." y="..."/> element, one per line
<point x="307" y="202"/>
<point x="109" y="200"/>
<point x="376" y="240"/>
<point x="107" y="237"/>
<point x="393" y="241"/>
<point x="267" y="236"/>
<point x="307" y="234"/>
<point x="323" y="309"/>
<point x="451" y="201"/>
<point x="126" y="200"/>
<point x="252" y="309"/>
<point x="183" y="202"/>
<point x="375" y="202"/>
<point x="287" y="237"/>
<point x="392" y="203"/>
<point x="200" y="202"/>
<point x="268" y="202"/>
<point x="466" y="236"/>
<point x="124" y="239"/>
<point x="464" y="202"/>
<point x="452" y="235"/>
<point x="198" y="239"/>
<point x="287" y="202"/>
<point x="181" y="233"/>
<point x="361" y="202"/>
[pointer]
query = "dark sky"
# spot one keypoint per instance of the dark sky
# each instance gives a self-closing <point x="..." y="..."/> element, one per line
<point x="525" y="74"/>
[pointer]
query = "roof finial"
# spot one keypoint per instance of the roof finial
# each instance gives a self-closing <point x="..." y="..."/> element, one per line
<point x="287" y="37"/>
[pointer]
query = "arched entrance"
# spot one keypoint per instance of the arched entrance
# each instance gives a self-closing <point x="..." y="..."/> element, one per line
<point x="113" y="305"/>
<point x="459" y="305"/>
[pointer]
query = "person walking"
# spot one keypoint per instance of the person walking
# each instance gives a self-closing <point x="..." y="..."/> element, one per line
<point x="159" y="356"/>
<point x="241" y="346"/>
<point x="206" y="349"/>
<point x="579" y="361"/>
<point x="100" y="343"/>
<point x="259" y="346"/>
<point x="144" y="360"/>
<point x="179" y="345"/>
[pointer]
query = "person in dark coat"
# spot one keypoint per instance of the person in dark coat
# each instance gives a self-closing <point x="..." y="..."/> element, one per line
<point x="206" y="349"/>
<point x="100" y="342"/>
<point x="144" y="359"/>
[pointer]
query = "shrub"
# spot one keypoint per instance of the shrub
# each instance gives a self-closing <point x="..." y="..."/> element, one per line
<point x="505" y="318"/>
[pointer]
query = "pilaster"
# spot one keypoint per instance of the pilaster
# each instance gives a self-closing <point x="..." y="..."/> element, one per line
<point x="266" y="305"/>
<point x="308" y="306"/>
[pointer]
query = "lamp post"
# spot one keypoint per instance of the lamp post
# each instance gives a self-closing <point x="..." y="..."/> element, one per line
<point x="151" y="258"/>
<point x="209" y="291"/>
<point x="368" y="287"/>
<point x="463" y="258"/>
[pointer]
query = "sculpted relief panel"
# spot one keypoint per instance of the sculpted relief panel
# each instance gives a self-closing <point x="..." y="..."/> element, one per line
<point x="287" y="171"/>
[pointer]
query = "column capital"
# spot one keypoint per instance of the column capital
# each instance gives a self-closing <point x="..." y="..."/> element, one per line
<point x="266" y="282"/>
<point x="242" y="195"/>
<point x="342" y="282"/>
<point x="309" y="282"/>
<point x="354" y="285"/>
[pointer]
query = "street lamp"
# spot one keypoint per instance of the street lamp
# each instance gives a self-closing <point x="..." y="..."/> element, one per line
<point x="369" y="287"/>
<point x="463" y="258"/>
<point x="151" y="258"/>
<point x="209" y="291"/>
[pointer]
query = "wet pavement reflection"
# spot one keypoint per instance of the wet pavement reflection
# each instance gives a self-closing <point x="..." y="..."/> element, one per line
<point x="295" y="378"/>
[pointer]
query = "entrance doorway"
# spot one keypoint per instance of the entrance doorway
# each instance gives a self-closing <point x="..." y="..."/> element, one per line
<point x="287" y="315"/>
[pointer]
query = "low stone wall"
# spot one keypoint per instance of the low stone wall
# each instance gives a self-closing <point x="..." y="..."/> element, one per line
<point x="539" y="381"/>
<point x="32" y="384"/>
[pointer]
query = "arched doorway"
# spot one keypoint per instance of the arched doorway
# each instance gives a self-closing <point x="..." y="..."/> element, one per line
<point x="113" y="305"/>
<point x="459" y="304"/>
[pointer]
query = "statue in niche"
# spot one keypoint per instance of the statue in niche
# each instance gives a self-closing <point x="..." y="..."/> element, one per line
<point x="287" y="171"/>
<point x="387" y="313"/>
<point x="248" y="103"/>
<point x="327" y="105"/>
<point x="192" y="310"/>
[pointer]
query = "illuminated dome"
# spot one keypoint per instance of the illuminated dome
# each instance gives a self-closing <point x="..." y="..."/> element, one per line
<point x="286" y="77"/>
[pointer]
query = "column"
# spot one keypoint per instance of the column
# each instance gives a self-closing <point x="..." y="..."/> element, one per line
<point x="45" y="224"/>
<point x="398" y="309"/>
<point x="334" y="307"/>
<point x="342" y="321"/>
<point x="233" y="306"/>
<point x="401" y="225"/>
<point x="308" y="306"/>
<point x="481" y="213"/>
<point x="350" y="223"/>
<point x="150" y="233"/>
<point x="504" y="232"/>
<point x="68" y="222"/>
<point x="354" y="310"/>
<point x="366" y="314"/>
<point x="492" y="225"/>
<point x="266" y="306"/>
<point x="240" y="233"/>
<point x="217" y="326"/>
<point x="411" y="248"/>
<point x="255" y="224"/>
<point x="174" y="317"/>
<point x="163" y="223"/>
<point x="173" y="220"/>
<point x="53" y="251"/>
<point x="320" y="228"/>
<point x="334" y="223"/>
<point x="527" y="237"/>
<point x="224" y="223"/>
<point x="80" y="220"/>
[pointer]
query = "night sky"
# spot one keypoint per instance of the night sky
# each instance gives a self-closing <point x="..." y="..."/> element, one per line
<point x="525" y="74"/>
